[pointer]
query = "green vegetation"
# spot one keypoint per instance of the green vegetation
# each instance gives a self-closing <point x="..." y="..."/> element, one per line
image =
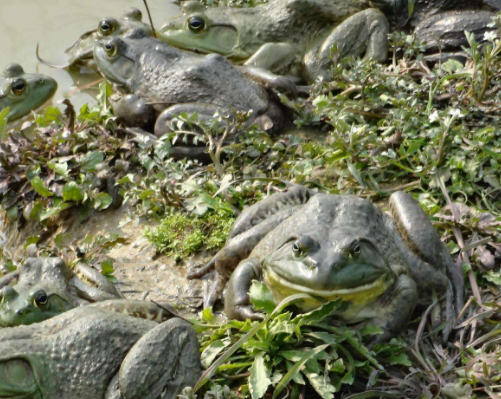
<point x="432" y="130"/>
<point x="181" y="235"/>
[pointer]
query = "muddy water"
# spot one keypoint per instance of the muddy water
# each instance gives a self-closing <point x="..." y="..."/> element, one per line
<point x="56" y="25"/>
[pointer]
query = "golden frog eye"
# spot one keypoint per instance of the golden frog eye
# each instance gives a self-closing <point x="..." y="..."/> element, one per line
<point x="106" y="27"/>
<point x="196" y="24"/>
<point x="355" y="249"/>
<point x="18" y="87"/>
<point x="40" y="299"/>
<point x="110" y="48"/>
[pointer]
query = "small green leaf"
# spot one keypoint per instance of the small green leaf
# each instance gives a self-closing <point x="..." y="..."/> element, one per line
<point x="211" y="352"/>
<point x="107" y="267"/>
<point x="259" y="379"/>
<point x="39" y="186"/>
<point x="72" y="192"/>
<point x="89" y="161"/>
<point x="102" y="201"/>
<point x="261" y="297"/>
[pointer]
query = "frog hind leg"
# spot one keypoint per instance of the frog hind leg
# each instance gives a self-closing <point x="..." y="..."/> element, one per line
<point x="365" y="32"/>
<point x="163" y="362"/>
<point x="431" y="266"/>
<point x="93" y="286"/>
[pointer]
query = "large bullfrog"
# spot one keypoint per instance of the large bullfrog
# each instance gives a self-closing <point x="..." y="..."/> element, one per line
<point x="282" y="35"/>
<point x="163" y="82"/>
<point x="23" y="92"/>
<point x="339" y="246"/>
<point x="81" y="53"/>
<point x="94" y="353"/>
<point x="46" y="287"/>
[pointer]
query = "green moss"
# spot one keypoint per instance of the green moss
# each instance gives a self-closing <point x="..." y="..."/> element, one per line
<point x="183" y="234"/>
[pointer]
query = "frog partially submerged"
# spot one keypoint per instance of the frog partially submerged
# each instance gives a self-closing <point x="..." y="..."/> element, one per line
<point x="339" y="246"/>
<point x="162" y="82"/>
<point x="46" y="287"/>
<point x="94" y="353"/>
<point x="23" y="92"/>
<point x="81" y="53"/>
<point x="282" y="35"/>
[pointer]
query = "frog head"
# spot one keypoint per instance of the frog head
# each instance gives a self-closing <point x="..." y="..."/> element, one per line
<point x="24" y="92"/>
<point x="198" y="30"/>
<point x="328" y="264"/>
<point x="41" y="293"/>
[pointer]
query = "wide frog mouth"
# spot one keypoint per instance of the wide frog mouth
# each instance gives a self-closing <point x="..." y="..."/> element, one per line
<point x="354" y="271"/>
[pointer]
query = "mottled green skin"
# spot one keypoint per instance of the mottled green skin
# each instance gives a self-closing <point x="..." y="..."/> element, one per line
<point x="36" y="91"/>
<point x="336" y="246"/>
<point x="49" y="278"/>
<point x="176" y="81"/>
<point x="283" y="36"/>
<point x="92" y="353"/>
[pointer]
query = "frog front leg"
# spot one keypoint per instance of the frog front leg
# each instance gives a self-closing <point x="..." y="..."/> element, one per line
<point x="237" y="304"/>
<point x="392" y="311"/>
<point x="253" y="224"/>
<point x="270" y="81"/>
<point x="92" y="286"/>
<point x="365" y="32"/>
<point x="275" y="57"/>
<point x="160" y="364"/>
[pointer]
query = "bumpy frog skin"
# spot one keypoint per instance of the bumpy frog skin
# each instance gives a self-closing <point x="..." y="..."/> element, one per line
<point x="81" y="53"/>
<point x="24" y="92"/>
<point x="94" y="353"/>
<point x="282" y="35"/>
<point x="46" y="287"/>
<point x="335" y="246"/>
<point x="442" y="23"/>
<point x="165" y="81"/>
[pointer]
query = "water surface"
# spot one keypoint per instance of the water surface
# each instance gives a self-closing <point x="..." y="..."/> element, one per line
<point x="56" y="25"/>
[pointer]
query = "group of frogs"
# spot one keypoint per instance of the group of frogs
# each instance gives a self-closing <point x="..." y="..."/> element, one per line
<point x="69" y="333"/>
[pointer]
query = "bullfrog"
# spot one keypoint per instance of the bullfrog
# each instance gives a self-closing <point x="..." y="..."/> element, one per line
<point x="46" y="287"/>
<point x="23" y="92"/>
<point x="339" y="246"/>
<point x="95" y="353"/>
<point x="80" y="53"/>
<point x="283" y="36"/>
<point x="160" y="82"/>
<point x="442" y="23"/>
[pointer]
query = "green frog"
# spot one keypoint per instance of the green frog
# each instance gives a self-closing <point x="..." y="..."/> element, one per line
<point x="46" y="287"/>
<point x="159" y="82"/>
<point x="94" y="353"/>
<point x="23" y="92"/>
<point x="282" y="36"/>
<point x="80" y="53"/>
<point x="339" y="246"/>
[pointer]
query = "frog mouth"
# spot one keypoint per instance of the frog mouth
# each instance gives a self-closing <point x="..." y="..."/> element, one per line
<point x="366" y="291"/>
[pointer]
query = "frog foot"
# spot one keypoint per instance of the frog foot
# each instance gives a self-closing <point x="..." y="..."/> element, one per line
<point x="161" y="364"/>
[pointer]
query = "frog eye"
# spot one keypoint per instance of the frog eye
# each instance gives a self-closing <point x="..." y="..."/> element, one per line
<point x="297" y="249"/>
<point x="196" y="24"/>
<point x="18" y="87"/>
<point x="40" y="299"/>
<point x="106" y="27"/>
<point x="355" y="249"/>
<point x="110" y="48"/>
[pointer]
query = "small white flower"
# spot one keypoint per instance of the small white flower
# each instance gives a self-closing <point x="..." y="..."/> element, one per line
<point x="434" y="116"/>
<point x="456" y="112"/>
<point x="490" y="36"/>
